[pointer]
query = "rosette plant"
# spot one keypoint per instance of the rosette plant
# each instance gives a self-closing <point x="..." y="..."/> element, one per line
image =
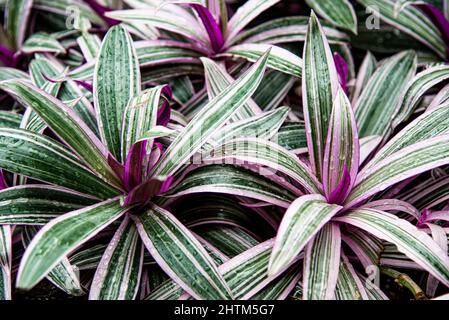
<point x="147" y="150"/>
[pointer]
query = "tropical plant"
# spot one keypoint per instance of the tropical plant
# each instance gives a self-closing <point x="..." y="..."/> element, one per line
<point x="147" y="150"/>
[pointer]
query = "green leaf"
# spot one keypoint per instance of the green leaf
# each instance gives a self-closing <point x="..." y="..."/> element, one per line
<point x="321" y="264"/>
<point x="349" y="286"/>
<point x="180" y="254"/>
<point x="43" y="159"/>
<point x="379" y="101"/>
<point x="279" y="59"/>
<point x="118" y="274"/>
<point x="410" y="20"/>
<point x="212" y="116"/>
<point x="303" y="219"/>
<point x="65" y="123"/>
<point x="9" y="119"/>
<point x="116" y="81"/>
<point x="416" y="244"/>
<point x="17" y="13"/>
<point x="5" y="262"/>
<point x="319" y="87"/>
<point x="59" y="237"/>
<point x="234" y="181"/>
<point x="338" y="12"/>
<point x="42" y="42"/>
<point x="38" y="204"/>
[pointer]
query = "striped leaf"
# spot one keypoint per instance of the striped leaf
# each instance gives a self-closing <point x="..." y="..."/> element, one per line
<point x="422" y="82"/>
<point x="11" y="73"/>
<point x="210" y="119"/>
<point x="429" y="125"/>
<point x="319" y="87"/>
<point x="63" y="234"/>
<point x="303" y="220"/>
<point x="217" y="80"/>
<point x="42" y="42"/>
<point x="60" y="8"/>
<point x="411" y="21"/>
<point x="164" y="18"/>
<point x="280" y="59"/>
<point x="116" y="80"/>
<point x="245" y="14"/>
<point x="366" y="70"/>
<point x="157" y="52"/>
<point x="341" y="154"/>
<point x="378" y="102"/>
<point x="367" y="146"/>
<point x="410" y="161"/>
<point x="321" y="264"/>
<point x="5" y="262"/>
<point x="63" y="275"/>
<point x="416" y="244"/>
<point x="234" y="181"/>
<point x="140" y="115"/>
<point x="285" y="30"/>
<point x="43" y="159"/>
<point x="17" y="14"/>
<point x="38" y="204"/>
<point x="263" y="126"/>
<point x="273" y="90"/>
<point x="292" y="136"/>
<point x="349" y="286"/>
<point x="118" y="273"/>
<point x="267" y="154"/>
<point x="180" y="254"/>
<point x="338" y="12"/>
<point x="9" y="119"/>
<point x="66" y="123"/>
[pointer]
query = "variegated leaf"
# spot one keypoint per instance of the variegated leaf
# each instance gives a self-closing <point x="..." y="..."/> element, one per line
<point x="338" y="12"/>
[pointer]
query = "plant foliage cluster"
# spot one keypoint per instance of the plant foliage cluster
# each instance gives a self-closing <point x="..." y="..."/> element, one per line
<point x="218" y="149"/>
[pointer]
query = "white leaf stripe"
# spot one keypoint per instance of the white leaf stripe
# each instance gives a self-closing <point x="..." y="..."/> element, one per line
<point x="46" y="160"/>
<point x="411" y="21"/>
<point x="378" y="102"/>
<point x="303" y="219"/>
<point x="408" y="162"/>
<point x="210" y="119"/>
<point x="118" y="273"/>
<point x="112" y="90"/>
<point x="416" y="244"/>
<point x="319" y="87"/>
<point x="321" y="264"/>
<point x="66" y="124"/>
<point x="180" y="255"/>
<point x="338" y="12"/>
<point x="265" y="153"/>
<point x="280" y="59"/>
<point x="349" y="286"/>
<point x="63" y="234"/>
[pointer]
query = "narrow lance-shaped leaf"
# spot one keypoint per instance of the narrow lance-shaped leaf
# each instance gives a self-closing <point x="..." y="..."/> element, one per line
<point x="319" y="87"/>
<point x="38" y="204"/>
<point x="116" y="80"/>
<point x="411" y="21"/>
<point x="268" y="154"/>
<point x="342" y="151"/>
<point x="44" y="159"/>
<point x="140" y="115"/>
<point x="417" y="245"/>
<point x="5" y="262"/>
<point x="280" y="59"/>
<point x="303" y="219"/>
<point x="17" y="13"/>
<point x="180" y="254"/>
<point x="418" y="86"/>
<point x="338" y="12"/>
<point x="217" y="80"/>
<point x="210" y="119"/>
<point x="409" y="162"/>
<point x="349" y="286"/>
<point x="66" y="124"/>
<point x="118" y="273"/>
<point x="321" y="264"/>
<point x="378" y="102"/>
<point x="59" y="237"/>
<point x="245" y="14"/>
